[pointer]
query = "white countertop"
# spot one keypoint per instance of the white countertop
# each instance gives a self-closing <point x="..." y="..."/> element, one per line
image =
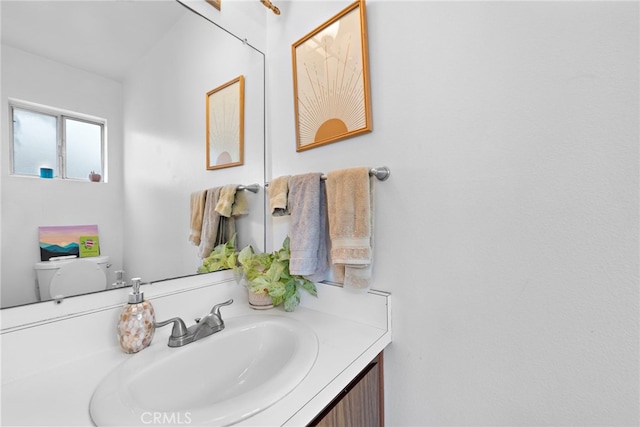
<point x="49" y="371"/>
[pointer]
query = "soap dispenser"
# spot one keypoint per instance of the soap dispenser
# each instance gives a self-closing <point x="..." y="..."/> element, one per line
<point x="136" y="325"/>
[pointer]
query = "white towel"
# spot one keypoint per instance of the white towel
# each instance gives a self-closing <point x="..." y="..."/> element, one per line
<point x="308" y="235"/>
<point x="351" y="212"/>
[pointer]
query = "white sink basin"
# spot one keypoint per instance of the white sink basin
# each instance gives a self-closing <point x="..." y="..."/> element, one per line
<point x="219" y="380"/>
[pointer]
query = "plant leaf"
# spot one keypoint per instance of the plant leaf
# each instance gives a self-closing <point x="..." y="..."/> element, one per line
<point x="276" y="290"/>
<point x="246" y="256"/>
<point x="290" y="288"/>
<point x="292" y="302"/>
<point x="309" y="286"/>
<point x="277" y="301"/>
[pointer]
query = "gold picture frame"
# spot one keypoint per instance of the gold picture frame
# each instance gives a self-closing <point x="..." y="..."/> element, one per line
<point x="225" y="125"/>
<point x="215" y="3"/>
<point x="331" y="80"/>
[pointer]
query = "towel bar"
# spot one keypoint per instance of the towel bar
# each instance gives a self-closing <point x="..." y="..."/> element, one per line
<point x="254" y="188"/>
<point x="382" y="173"/>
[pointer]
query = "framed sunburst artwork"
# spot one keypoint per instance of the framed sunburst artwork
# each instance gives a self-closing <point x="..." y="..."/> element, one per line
<point x="331" y="80"/>
<point x="215" y="3"/>
<point x="225" y="125"/>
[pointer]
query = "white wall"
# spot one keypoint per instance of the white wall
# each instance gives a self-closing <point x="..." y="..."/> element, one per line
<point x="31" y="202"/>
<point x="244" y="18"/>
<point x="508" y="230"/>
<point x="165" y="152"/>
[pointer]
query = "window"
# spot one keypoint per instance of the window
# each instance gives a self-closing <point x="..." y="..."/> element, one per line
<point x="43" y="137"/>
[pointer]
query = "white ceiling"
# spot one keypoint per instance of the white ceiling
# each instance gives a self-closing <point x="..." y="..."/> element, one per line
<point x="102" y="36"/>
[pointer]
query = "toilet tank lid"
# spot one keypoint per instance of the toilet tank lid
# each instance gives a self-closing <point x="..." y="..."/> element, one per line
<point x="50" y="265"/>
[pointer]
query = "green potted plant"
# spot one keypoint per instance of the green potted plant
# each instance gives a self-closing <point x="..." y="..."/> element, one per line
<point x="268" y="276"/>
<point x="249" y="269"/>
<point x="222" y="257"/>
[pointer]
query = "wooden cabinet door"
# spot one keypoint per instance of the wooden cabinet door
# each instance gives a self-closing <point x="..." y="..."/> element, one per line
<point x="360" y="404"/>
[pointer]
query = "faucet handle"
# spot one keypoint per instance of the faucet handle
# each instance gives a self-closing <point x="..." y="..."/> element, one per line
<point x="179" y="328"/>
<point x="216" y="308"/>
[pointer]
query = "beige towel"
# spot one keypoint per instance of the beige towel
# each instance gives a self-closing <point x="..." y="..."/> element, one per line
<point x="240" y="204"/>
<point x="278" y="192"/>
<point x="350" y="209"/>
<point x="216" y="229"/>
<point x="197" y="211"/>
<point x="224" y="206"/>
<point x="232" y="202"/>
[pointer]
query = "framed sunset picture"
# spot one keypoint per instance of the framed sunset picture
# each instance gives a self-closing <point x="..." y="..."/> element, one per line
<point x="63" y="240"/>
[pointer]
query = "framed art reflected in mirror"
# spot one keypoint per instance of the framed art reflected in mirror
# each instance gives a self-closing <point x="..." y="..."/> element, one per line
<point x="225" y="125"/>
<point x="331" y="80"/>
<point x="215" y="3"/>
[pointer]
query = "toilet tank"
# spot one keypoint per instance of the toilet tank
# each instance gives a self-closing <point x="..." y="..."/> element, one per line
<point x="46" y="270"/>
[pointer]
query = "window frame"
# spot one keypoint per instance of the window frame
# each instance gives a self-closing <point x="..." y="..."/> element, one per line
<point x="61" y="146"/>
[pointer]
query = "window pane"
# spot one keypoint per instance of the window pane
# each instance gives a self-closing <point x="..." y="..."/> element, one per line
<point x="83" y="148"/>
<point x="34" y="142"/>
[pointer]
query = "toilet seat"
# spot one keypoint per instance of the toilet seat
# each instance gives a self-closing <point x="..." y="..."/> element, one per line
<point x="78" y="277"/>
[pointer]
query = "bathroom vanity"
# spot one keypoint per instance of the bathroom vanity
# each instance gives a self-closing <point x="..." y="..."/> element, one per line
<point x="55" y="356"/>
<point x="360" y="403"/>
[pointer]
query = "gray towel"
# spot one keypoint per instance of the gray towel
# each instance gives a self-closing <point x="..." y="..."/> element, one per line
<point x="216" y="229"/>
<point x="308" y="230"/>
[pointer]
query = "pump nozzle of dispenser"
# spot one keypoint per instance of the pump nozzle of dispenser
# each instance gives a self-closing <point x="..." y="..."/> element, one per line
<point x="136" y="296"/>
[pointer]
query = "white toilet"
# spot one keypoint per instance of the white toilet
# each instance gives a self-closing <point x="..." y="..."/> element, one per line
<point x="71" y="276"/>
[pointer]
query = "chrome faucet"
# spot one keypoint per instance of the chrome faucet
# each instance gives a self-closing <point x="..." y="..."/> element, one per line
<point x="205" y="326"/>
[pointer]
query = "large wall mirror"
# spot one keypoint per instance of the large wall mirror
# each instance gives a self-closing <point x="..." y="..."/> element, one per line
<point x="144" y="67"/>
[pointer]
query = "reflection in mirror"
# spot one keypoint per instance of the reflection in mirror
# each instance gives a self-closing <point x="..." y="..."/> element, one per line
<point x="225" y="125"/>
<point x="144" y="67"/>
